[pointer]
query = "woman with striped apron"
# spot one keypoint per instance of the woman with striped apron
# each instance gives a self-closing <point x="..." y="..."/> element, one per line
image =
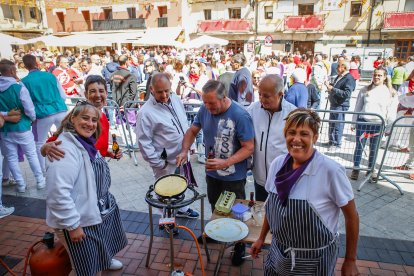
<point x="80" y="207"/>
<point x="306" y="191"/>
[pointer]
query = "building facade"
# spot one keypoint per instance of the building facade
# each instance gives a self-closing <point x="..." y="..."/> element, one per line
<point x="23" y="18"/>
<point x="306" y="25"/>
<point x="73" y="16"/>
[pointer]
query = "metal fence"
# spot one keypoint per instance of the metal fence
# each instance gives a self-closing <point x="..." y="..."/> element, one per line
<point x="351" y="141"/>
<point x="398" y="154"/>
<point x="130" y="116"/>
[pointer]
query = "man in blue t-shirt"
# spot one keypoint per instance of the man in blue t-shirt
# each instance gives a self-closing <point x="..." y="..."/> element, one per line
<point x="228" y="139"/>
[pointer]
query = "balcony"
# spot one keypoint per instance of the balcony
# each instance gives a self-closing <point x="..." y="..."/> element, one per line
<point x="304" y="23"/>
<point x="118" y="24"/>
<point x="226" y="26"/>
<point x="162" y="22"/>
<point x="398" y="20"/>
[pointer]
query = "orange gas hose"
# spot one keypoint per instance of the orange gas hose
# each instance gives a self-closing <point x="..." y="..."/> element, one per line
<point x="198" y="247"/>
<point x="28" y="255"/>
<point x="7" y="268"/>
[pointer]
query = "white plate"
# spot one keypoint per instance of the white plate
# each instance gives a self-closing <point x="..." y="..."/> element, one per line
<point x="226" y="230"/>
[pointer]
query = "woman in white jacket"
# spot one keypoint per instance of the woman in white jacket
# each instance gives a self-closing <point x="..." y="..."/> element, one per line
<point x="374" y="98"/>
<point x="79" y="206"/>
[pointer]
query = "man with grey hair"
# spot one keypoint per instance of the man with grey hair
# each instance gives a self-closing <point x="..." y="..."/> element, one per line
<point x="339" y="95"/>
<point x="319" y="75"/>
<point x="268" y="117"/>
<point x="228" y="139"/>
<point x="161" y="124"/>
<point x="409" y="66"/>
<point x="241" y="86"/>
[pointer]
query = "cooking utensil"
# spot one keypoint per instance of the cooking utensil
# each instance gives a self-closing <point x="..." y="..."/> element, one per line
<point x="170" y="186"/>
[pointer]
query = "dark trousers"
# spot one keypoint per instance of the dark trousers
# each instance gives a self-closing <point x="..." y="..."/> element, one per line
<point x="360" y="143"/>
<point x="336" y="129"/>
<point x="216" y="186"/>
<point x="261" y="193"/>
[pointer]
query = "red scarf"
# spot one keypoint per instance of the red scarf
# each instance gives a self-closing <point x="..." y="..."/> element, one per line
<point x="410" y="86"/>
<point x="193" y="78"/>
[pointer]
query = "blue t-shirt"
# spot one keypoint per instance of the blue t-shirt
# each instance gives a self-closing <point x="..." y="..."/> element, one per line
<point x="223" y="133"/>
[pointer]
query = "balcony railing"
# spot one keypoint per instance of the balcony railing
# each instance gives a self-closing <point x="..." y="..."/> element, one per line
<point x="162" y="22"/>
<point x="304" y="23"/>
<point x="225" y="25"/>
<point x="118" y="24"/>
<point x="398" y="20"/>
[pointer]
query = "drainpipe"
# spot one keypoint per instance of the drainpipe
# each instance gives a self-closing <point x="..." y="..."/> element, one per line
<point x="256" y="19"/>
<point x="370" y="20"/>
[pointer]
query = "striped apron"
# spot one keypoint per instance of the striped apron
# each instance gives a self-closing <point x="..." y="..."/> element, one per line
<point x="301" y="243"/>
<point x="104" y="240"/>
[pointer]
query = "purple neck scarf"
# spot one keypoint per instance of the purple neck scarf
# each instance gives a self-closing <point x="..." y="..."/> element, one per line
<point x="89" y="145"/>
<point x="286" y="177"/>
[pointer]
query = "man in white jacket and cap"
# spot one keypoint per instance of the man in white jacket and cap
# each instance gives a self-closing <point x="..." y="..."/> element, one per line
<point x="161" y="125"/>
<point x="268" y="121"/>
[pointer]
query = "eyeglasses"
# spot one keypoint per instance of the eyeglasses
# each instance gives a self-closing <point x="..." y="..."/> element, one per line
<point x="256" y="78"/>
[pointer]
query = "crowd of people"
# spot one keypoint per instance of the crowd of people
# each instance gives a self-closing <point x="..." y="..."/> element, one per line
<point x="255" y="114"/>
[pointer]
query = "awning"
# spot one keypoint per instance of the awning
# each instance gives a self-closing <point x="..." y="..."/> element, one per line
<point x="11" y="40"/>
<point x="167" y="36"/>
<point x="205" y="40"/>
<point x="48" y="40"/>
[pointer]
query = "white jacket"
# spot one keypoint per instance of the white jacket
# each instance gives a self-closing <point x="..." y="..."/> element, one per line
<point x="71" y="199"/>
<point x="378" y="100"/>
<point x="269" y="140"/>
<point x="157" y="128"/>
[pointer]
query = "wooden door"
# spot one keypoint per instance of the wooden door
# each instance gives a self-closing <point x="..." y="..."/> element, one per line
<point x="304" y="46"/>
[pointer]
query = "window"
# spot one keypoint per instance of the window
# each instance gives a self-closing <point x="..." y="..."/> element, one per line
<point x="21" y="16"/>
<point x="207" y="14"/>
<point x="235" y="13"/>
<point x="162" y="22"/>
<point x="305" y="9"/>
<point x="162" y="11"/>
<point x="32" y="12"/>
<point x="108" y="14"/>
<point x="268" y="12"/>
<point x="132" y="12"/>
<point x="404" y="49"/>
<point x="356" y="8"/>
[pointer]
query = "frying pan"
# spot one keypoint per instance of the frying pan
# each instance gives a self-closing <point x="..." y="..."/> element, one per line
<point x="174" y="179"/>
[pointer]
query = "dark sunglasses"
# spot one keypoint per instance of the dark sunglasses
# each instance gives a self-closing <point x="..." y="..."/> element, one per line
<point x="83" y="102"/>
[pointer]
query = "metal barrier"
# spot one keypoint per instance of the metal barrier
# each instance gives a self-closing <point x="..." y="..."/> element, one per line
<point x="114" y="115"/>
<point x="130" y="111"/>
<point x="398" y="156"/>
<point x="352" y="150"/>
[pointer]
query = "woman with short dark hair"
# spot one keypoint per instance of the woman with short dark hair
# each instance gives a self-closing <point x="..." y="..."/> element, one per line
<point x="307" y="190"/>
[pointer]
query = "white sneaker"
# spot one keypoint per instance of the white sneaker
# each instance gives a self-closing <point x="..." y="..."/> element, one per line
<point x="8" y="182"/>
<point x="115" y="265"/>
<point x="5" y="211"/>
<point x="41" y="185"/>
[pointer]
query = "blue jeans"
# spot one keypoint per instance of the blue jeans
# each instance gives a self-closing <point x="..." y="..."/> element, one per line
<point x="360" y="143"/>
<point x="336" y="130"/>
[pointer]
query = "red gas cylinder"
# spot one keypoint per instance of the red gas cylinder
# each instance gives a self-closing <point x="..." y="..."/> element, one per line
<point x="49" y="258"/>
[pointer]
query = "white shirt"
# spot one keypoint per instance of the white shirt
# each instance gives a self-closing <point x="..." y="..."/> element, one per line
<point x="323" y="183"/>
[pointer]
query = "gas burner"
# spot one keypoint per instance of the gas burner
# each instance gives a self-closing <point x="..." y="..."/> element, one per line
<point x="174" y="202"/>
<point x="171" y="200"/>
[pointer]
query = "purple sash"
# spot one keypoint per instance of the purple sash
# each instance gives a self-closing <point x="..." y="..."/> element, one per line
<point x="286" y="177"/>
